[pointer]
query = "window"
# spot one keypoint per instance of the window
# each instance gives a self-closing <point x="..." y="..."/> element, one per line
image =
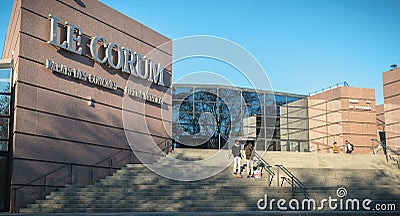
<point x="181" y="92"/>
<point x="5" y="74"/>
<point x="224" y="112"/>
<point x="230" y="95"/>
<point x="5" y="99"/>
<point x="280" y="100"/>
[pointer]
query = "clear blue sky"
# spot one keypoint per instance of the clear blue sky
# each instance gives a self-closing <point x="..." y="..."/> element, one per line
<point x="303" y="45"/>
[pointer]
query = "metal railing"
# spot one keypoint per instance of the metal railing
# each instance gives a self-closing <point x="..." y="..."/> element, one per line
<point x="394" y="156"/>
<point x="375" y="146"/>
<point x="380" y="123"/>
<point x="71" y="176"/>
<point x="345" y="84"/>
<point x="265" y="165"/>
<point x="292" y="180"/>
<point x="390" y="152"/>
<point x="383" y="144"/>
<point x="262" y="163"/>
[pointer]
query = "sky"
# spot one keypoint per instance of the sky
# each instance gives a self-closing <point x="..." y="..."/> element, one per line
<point x="303" y="45"/>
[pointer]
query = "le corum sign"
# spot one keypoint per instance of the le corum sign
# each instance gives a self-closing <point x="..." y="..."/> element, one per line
<point x="115" y="56"/>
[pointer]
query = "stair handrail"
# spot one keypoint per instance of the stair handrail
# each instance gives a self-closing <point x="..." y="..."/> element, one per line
<point x="384" y="147"/>
<point x="380" y="122"/>
<point x="267" y="166"/>
<point x="393" y="151"/>
<point x="63" y="166"/>
<point x="295" y="182"/>
<point x="69" y="164"/>
<point x="44" y="176"/>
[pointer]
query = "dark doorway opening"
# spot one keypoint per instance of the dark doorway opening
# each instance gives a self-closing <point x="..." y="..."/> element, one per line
<point x="4" y="186"/>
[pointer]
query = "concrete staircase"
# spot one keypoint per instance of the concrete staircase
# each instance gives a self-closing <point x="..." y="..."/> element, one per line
<point x="363" y="176"/>
<point x="135" y="188"/>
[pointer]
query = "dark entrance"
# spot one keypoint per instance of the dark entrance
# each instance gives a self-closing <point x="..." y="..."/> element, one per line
<point x="4" y="189"/>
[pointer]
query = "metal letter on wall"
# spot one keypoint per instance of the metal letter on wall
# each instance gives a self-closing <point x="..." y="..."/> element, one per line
<point x="71" y="38"/>
<point x="129" y="61"/>
<point x="93" y="49"/>
<point x="54" y="32"/>
<point x="109" y="53"/>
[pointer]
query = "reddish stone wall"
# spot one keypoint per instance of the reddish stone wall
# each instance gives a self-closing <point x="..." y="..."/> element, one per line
<point x="380" y="117"/>
<point x="341" y="114"/>
<point x="391" y="91"/>
<point x="54" y="125"/>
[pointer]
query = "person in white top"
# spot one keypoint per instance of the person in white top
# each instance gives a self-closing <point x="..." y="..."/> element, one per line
<point x="349" y="147"/>
<point x="236" y="157"/>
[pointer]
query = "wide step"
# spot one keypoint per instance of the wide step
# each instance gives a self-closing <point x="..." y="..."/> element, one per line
<point x="135" y="188"/>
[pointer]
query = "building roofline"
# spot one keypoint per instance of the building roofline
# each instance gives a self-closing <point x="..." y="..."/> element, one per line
<point x="191" y="85"/>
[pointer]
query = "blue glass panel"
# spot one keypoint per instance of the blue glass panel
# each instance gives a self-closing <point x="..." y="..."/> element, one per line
<point x="204" y="96"/>
<point x="280" y="100"/>
<point x="181" y="92"/>
<point x="252" y="97"/>
<point x="5" y="75"/>
<point x="291" y="99"/>
<point x="230" y="95"/>
<point x="4" y="105"/>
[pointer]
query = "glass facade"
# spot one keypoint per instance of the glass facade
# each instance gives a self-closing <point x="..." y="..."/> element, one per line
<point x="205" y="116"/>
<point x="5" y="95"/>
<point x="5" y="101"/>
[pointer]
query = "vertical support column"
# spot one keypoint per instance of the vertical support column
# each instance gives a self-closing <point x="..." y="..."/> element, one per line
<point x="372" y="146"/>
<point x="326" y="123"/>
<point x="71" y="176"/>
<point x="293" y="188"/>
<point x="277" y="176"/>
<point x="264" y="120"/>
<point x="287" y="126"/>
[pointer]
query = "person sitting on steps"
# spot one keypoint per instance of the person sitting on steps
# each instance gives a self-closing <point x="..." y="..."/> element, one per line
<point x="335" y="148"/>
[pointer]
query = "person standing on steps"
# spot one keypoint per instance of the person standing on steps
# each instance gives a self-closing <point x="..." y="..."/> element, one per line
<point x="236" y="157"/>
<point x="249" y="156"/>
<point x="167" y="147"/>
<point x="349" y="147"/>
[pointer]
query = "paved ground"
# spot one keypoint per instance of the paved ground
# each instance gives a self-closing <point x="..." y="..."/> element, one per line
<point x="298" y="213"/>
